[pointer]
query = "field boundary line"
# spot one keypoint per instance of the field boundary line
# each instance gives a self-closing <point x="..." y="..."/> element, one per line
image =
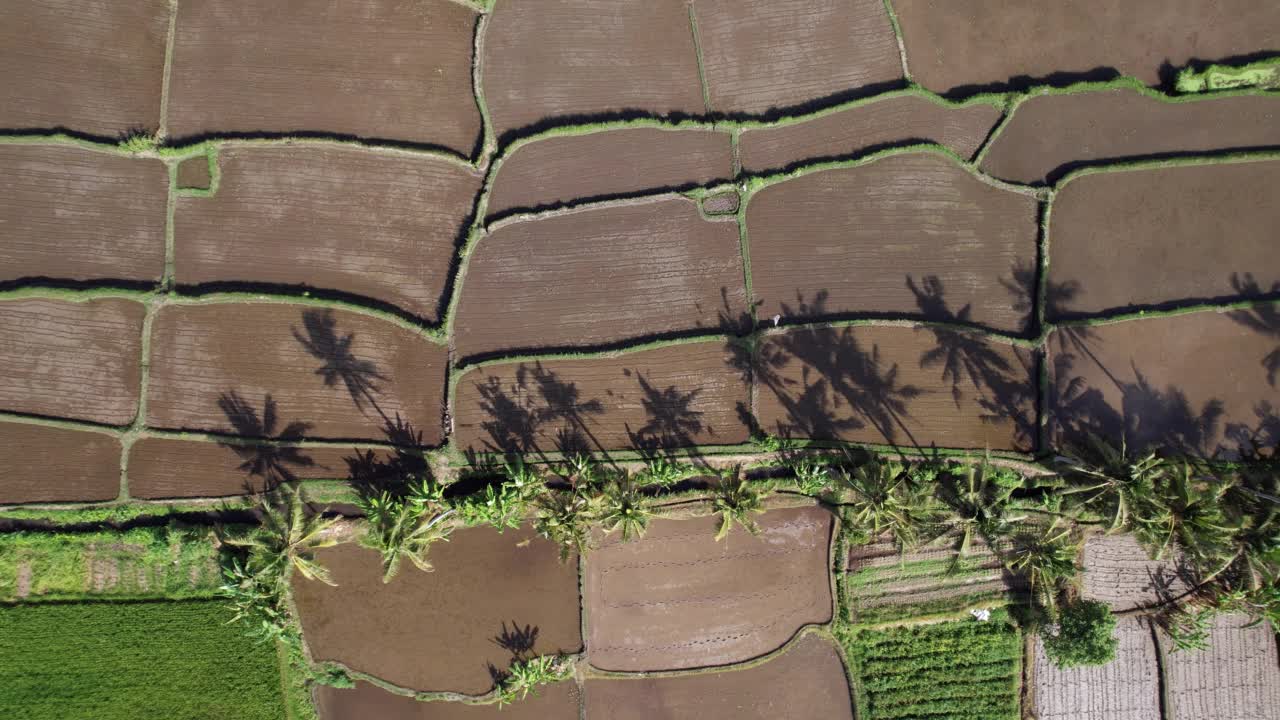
<point x="897" y="35"/>
<point x="1011" y="107"/>
<point x="697" y="54"/>
<point x="822" y="630"/>
<point x="166" y="78"/>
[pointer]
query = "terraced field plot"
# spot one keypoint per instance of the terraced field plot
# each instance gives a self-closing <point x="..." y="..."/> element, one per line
<point x="52" y="464"/>
<point x="1119" y="572"/>
<point x="1127" y="688"/>
<point x="1236" y="677"/>
<point x="679" y="599"/>
<point x="558" y="701"/>
<point x="488" y="591"/>
<point x="805" y="681"/>
<point x="74" y="214"/>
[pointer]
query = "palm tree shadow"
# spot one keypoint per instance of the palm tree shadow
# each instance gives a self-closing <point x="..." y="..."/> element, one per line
<point x="671" y="420"/>
<point x="535" y="403"/>
<point x="340" y="364"/>
<point x="372" y="473"/>
<point x="1263" y="319"/>
<point x="271" y="464"/>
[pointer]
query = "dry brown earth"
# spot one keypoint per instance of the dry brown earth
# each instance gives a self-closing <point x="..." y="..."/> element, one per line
<point x="561" y="170"/>
<point x="439" y="630"/>
<point x="76" y="360"/>
<point x="193" y="173"/>
<point x="1189" y="232"/>
<point x="876" y="124"/>
<point x="1119" y="572"/>
<point x="1127" y="688"/>
<point x="897" y="385"/>
<point x="168" y="468"/>
<point x="91" y="67"/>
<point x="599" y="275"/>
<point x="1195" y="382"/>
<point x="674" y="396"/>
<point x="564" y="58"/>
<point x="910" y="235"/>
<point x="807" y="682"/>
<point x="955" y="46"/>
<point x="676" y="598"/>
<point x="557" y="701"/>
<point x="47" y="464"/>
<point x="379" y="69"/>
<point x="379" y="224"/>
<point x="341" y="373"/>
<point x="1051" y="133"/>
<point x="761" y="55"/>
<point x="75" y="214"/>
<point x="1236" y="678"/>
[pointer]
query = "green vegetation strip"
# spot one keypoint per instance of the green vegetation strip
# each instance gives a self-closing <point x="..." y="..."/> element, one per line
<point x="124" y="661"/>
<point x="151" y="562"/>
<point x="961" y="669"/>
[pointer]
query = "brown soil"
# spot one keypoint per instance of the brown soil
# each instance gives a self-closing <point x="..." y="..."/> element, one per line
<point x="71" y="359"/>
<point x="378" y="69"/>
<point x="725" y="203"/>
<point x="560" y="170"/>
<point x="677" y="599"/>
<point x="1119" y="572"/>
<point x="558" y="701"/>
<point x="897" y="385"/>
<point x="759" y="55"/>
<point x="379" y="224"/>
<point x="438" y="630"/>
<point x="193" y="173"/>
<point x="1236" y="677"/>
<point x="337" y="372"/>
<point x="561" y="58"/>
<point x="75" y="214"/>
<point x="95" y="68"/>
<point x="163" y="468"/>
<point x="1192" y="382"/>
<point x="22" y="583"/>
<point x="893" y="121"/>
<point x="1127" y="688"/>
<point x="1051" y="133"/>
<point x="981" y="573"/>
<point x="46" y="464"/>
<point x="953" y="45"/>
<point x="599" y="275"/>
<point x="1167" y="226"/>
<point x="675" y="396"/>
<point x="807" y="681"/>
<point x="910" y="235"/>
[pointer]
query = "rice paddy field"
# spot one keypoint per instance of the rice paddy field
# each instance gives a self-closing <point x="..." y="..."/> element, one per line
<point x="537" y="358"/>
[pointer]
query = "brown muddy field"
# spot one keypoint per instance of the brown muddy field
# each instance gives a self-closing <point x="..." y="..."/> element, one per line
<point x="560" y="58"/>
<point x="560" y="170"/>
<point x="380" y="224"/>
<point x="95" y="68"/>
<point x="442" y="630"/>
<point x="1127" y="688"/>
<point x="759" y="55"/>
<point x="77" y="360"/>
<point x="959" y="47"/>
<point x="893" y="121"/>
<point x="1195" y="382"/>
<point x="76" y="214"/>
<point x="599" y="275"/>
<point x="915" y="387"/>
<point x="167" y="468"/>
<point x="260" y="369"/>
<point x="678" y="599"/>
<point x="47" y="464"/>
<point x="807" y="681"/>
<point x="1049" y="134"/>
<point x="1119" y="572"/>
<point x="675" y="396"/>
<point x="193" y="173"/>
<point x="1236" y="677"/>
<point x="557" y="701"/>
<point x="910" y="235"/>
<point x="378" y="69"/>
<point x="1168" y="226"/>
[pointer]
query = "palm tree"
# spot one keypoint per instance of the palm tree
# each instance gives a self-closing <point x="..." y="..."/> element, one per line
<point x="1112" y="484"/>
<point x="288" y="537"/>
<point x="885" y="496"/>
<point x="1046" y="557"/>
<point x="565" y="519"/>
<point x="624" y="509"/>
<point x="406" y="527"/>
<point x="979" y="498"/>
<point x="1189" y="516"/>
<point x="735" y="501"/>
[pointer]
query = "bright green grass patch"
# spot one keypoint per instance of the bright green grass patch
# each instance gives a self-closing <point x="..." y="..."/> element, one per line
<point x="133" y="661"/>
<point x="1262" y="74"/>
<point x="961" y="669"/>
<point x="153" y="562"/>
